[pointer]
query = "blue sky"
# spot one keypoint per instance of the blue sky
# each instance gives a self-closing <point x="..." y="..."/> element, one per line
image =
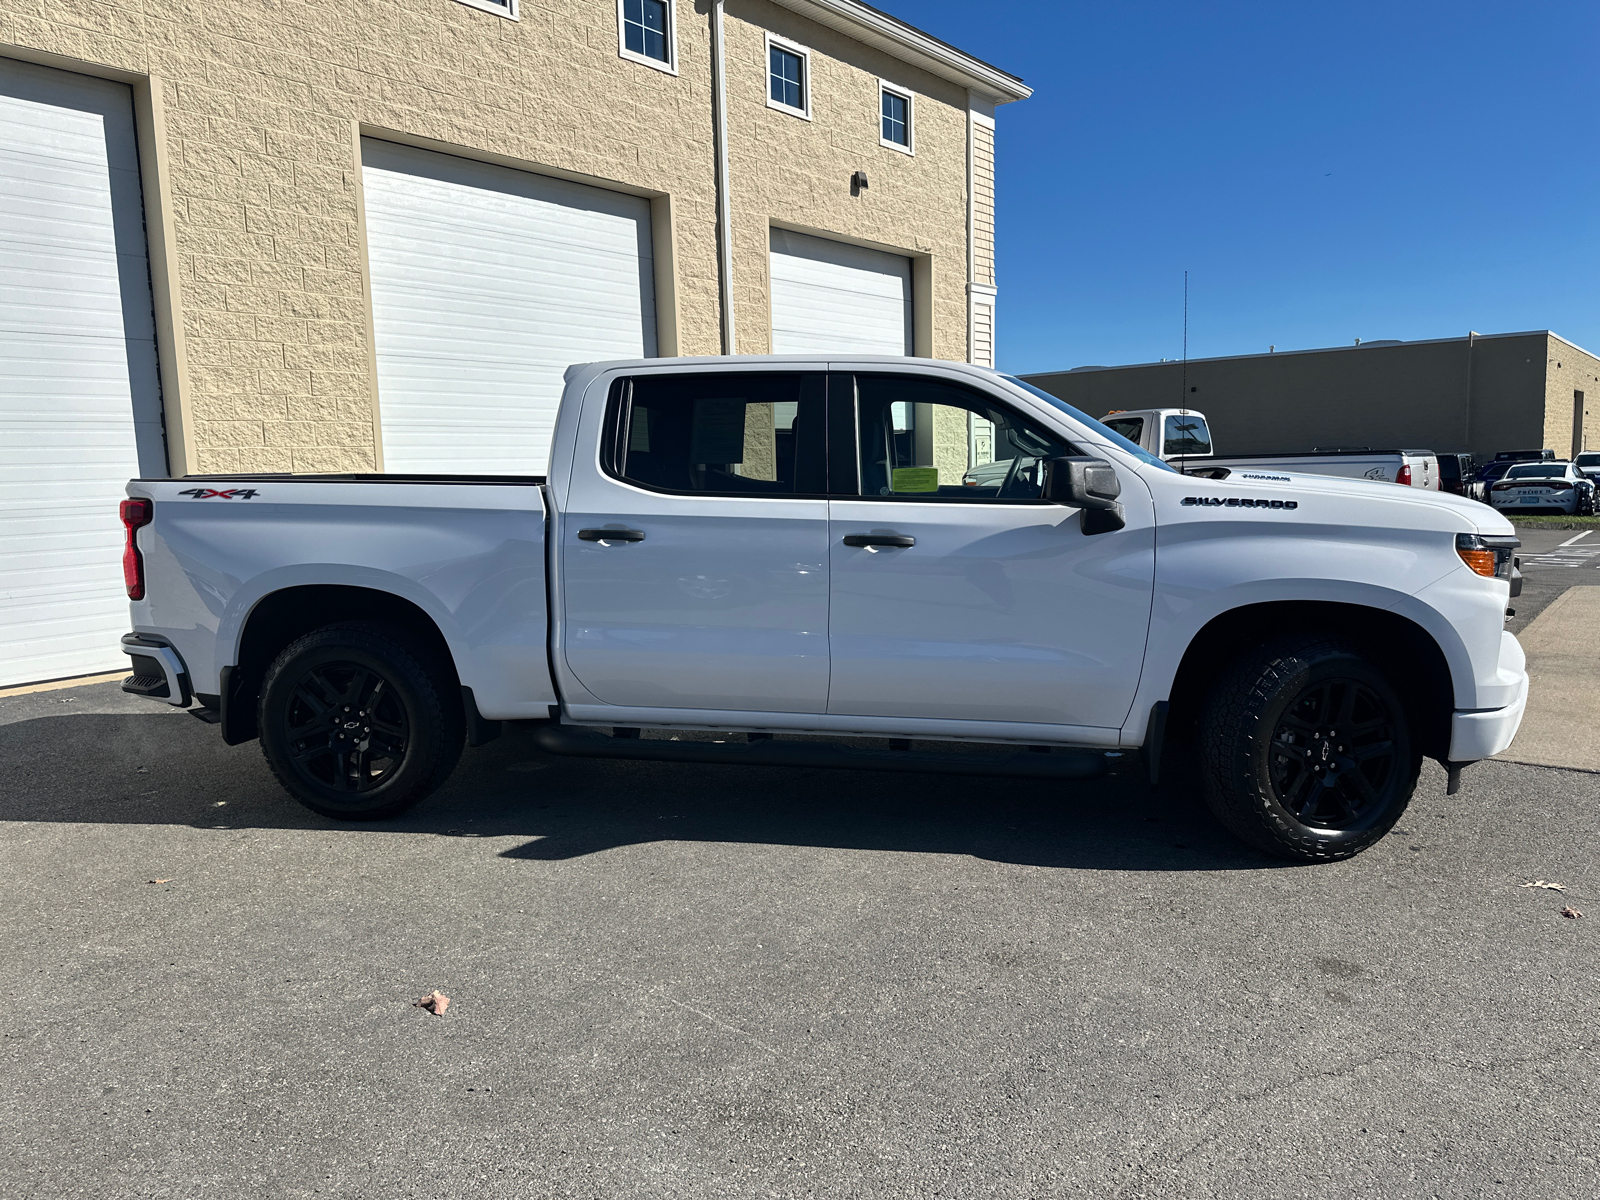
<point x="1323" y="171"/>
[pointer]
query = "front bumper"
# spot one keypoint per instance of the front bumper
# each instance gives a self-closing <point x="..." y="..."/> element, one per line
<point x="1485" y="733"/>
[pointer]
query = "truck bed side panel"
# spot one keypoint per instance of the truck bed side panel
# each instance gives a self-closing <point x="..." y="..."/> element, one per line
<point x="471" y="556"/>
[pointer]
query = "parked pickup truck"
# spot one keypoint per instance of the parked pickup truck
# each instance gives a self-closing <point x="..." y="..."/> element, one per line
<point x="784" y="548"/>
<point x="1183" y="436"/>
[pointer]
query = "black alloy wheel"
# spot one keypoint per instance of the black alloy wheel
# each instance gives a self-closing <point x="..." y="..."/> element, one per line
<point x="1333" y="754"/>
<point x="1306" y="749"/>
<point x="347" y="728"/>
<point x="359" y="721"/>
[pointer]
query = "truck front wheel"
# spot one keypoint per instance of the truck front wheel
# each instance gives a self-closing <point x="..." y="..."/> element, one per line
<point x="357" y="721"/>
<point x="1307" y="750"/>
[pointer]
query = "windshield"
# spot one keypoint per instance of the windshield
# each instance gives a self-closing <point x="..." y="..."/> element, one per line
<point x="1539" y="471"/>
<point x="1589" y="459"/>
<point x="1110" y="435"/>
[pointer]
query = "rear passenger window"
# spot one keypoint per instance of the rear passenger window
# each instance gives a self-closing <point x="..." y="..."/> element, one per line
<point x="921" y="439"/>
<point x="756" y="434"/>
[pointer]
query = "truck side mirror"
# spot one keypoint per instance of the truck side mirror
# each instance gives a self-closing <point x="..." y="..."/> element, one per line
<point x="1087" y="483"/>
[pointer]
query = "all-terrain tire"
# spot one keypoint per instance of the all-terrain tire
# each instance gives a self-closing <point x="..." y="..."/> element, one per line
<point x="1307" y="749"/>
<point x="360" y="720"/>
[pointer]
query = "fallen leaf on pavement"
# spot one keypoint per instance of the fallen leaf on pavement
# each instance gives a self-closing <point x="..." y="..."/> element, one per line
<point x="1569" y="911"/>
<point x="434" y="1002"/>
<point x="1539" y="883"/>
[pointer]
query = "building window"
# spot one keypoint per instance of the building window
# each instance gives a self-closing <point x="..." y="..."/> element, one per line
<point x="501" y="8"/>
<point x="894" y="110"/>
<point x="646" y="33"/>
<point x="788" y="77"/>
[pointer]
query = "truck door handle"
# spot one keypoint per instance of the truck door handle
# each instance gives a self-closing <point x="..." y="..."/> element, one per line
<point x="879" y="539"/>
<point x="611" y="535"/>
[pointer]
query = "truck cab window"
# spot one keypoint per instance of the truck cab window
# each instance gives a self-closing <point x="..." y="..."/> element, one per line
<point x="1131" y="428"/>
<point x="922" y="439"/>
<point x="1186" y="434"/>
<point x="755" y="434"/>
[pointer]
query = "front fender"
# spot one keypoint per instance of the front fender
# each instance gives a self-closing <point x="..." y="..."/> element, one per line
<point x="1205" y="570"/>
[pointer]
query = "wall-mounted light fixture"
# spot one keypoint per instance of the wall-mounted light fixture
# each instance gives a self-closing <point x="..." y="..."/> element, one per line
<point x="858" y="183"/>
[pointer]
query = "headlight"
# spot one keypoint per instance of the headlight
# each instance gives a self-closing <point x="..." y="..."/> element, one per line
<point x="1488" y="556"/>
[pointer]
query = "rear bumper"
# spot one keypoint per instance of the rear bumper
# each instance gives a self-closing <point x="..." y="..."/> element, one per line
<point x="1483" y="734"/>
<point x="158" y="671"/>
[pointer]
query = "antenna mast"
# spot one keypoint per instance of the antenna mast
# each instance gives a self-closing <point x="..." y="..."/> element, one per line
<point x="1183" y="376"/>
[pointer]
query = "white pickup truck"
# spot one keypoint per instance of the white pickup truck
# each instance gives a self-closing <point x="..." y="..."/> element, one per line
<point x="784" y="548"/>
<point x="1183" y="436"/>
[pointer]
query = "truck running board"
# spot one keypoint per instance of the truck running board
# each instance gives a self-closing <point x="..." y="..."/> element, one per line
<point x="577" y="742"/>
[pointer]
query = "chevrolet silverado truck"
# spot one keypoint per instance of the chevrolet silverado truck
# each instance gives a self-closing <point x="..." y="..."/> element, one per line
<point x="784" y="552"/>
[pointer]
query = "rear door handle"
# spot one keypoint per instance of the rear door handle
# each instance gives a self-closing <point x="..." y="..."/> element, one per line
<point x="611" y="535"/>
<point x="879" y="539"/>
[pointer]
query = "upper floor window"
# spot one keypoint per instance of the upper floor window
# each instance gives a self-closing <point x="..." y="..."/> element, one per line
<point x="646" y="32"/>
<point x="503" y="8"/>
<point x="788" y="77"/>
<point x="895" y="115"/>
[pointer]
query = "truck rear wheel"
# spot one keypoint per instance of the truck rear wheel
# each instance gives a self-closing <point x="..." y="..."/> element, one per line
<point x="358" y="722"/>
<point x="1307" y="750"/>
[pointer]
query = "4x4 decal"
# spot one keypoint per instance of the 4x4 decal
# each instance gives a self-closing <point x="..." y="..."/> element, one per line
<point x="200" y="493"/>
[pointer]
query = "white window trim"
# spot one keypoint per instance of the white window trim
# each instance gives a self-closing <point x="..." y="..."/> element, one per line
<point x="671" y="65"/>
<point x="911" y="117"/>
<point x="507" y="10"/>
<point x="805" y="75"/>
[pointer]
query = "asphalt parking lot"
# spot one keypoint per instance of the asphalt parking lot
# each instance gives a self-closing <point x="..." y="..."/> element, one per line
<point x="692" y="981"/>
<point x="1553" y="560"/>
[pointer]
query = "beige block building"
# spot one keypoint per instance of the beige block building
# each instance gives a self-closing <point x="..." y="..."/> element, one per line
<point x="322" y="235"/>
<point x="1480" y="394"/>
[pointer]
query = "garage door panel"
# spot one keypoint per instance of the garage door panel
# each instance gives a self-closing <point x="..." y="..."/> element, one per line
<point x="831" y="297"/>
<point x="80" y="410"/>
<point x="487" y="284"/>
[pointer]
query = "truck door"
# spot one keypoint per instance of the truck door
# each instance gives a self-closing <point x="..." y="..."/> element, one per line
<point x="694" y="552"/>
<point x="956" y="592"/>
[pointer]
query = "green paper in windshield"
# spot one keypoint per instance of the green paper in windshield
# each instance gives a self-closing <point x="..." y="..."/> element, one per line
<point x="914" y="479"/>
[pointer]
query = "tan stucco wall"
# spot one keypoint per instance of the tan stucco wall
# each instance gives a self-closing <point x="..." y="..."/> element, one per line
<point x="262" y="103"/>
<point x="1569" y="370"/>
<point x="795" y="173"/>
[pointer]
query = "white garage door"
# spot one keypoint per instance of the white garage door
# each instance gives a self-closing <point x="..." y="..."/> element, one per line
<point x="829" y="296"/>
<point x="80" y="406"/>
<point x="487" y="284"/>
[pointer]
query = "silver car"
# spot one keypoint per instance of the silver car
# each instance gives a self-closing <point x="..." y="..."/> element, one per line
<point x="1544" y="487"/>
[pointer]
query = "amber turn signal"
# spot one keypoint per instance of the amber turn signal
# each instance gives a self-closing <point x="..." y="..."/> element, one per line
<point x="1481" y="561"/>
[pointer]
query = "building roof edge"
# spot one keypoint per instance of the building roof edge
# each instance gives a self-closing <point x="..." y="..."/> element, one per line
<point x="1173" y="362"/>
<point x="910" y="44"/>
<point x="1573" y="344"/>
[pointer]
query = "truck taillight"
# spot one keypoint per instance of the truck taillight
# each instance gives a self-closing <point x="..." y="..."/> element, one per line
<point x="1404" y="477"/>
<point x="135" y="514"/>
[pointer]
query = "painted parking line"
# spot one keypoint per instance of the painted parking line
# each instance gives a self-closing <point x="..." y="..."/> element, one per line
<point x="1555" y="558"/>
<point x="1579" y="538"/>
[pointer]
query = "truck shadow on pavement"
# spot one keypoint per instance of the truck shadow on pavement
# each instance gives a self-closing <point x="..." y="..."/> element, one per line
<point x="162" y="768"/>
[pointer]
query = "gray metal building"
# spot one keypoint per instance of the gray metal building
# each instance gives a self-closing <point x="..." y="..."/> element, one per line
<point x="1481" y="393"/>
